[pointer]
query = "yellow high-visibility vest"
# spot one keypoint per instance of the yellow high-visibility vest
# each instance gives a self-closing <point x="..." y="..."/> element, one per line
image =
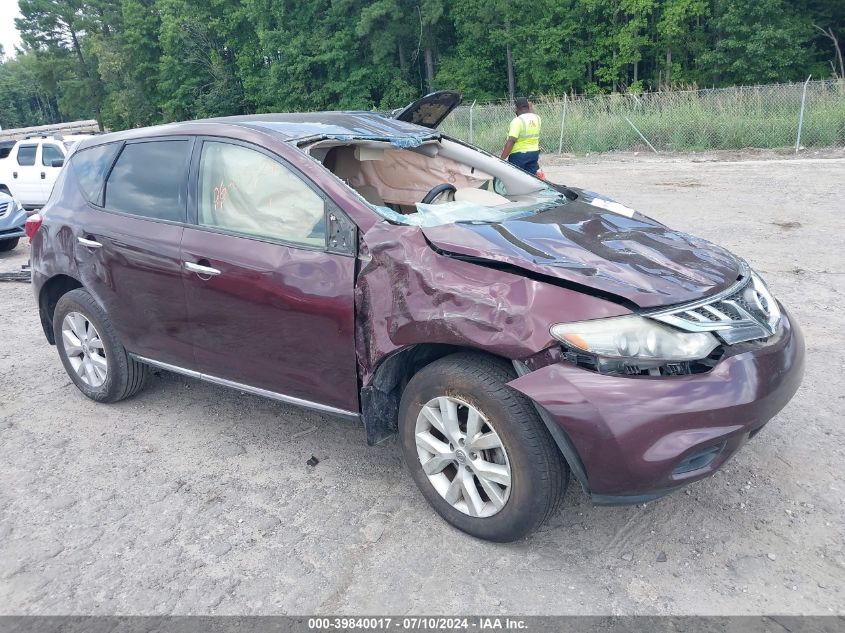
<point x="526" y="130"/>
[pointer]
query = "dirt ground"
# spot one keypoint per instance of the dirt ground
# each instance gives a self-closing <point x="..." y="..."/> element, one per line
<point x="194" y="499"/>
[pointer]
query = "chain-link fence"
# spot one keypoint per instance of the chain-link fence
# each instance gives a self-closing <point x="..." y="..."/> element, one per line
<point x="696" y="120"/>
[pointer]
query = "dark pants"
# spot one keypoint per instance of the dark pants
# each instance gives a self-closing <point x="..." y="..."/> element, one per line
<point x="526" y="161"/>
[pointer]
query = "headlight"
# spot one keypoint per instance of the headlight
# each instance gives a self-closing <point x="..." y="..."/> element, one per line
<point x="634" y="337"/>
<point x="758" y="295"/>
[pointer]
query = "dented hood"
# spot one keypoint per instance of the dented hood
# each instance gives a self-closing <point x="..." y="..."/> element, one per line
<point x="632" y="260"/>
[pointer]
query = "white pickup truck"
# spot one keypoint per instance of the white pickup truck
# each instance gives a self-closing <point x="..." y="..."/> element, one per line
<point x="32" y="167"/>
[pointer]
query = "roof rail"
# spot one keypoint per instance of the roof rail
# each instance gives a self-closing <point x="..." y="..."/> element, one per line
<point x="56" y="136"/>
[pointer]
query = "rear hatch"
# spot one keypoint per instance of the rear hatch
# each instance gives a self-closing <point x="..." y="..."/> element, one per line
<point x="430" y="110"/>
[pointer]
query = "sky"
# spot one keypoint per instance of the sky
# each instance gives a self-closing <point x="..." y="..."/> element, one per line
<point x="9" y="37"/>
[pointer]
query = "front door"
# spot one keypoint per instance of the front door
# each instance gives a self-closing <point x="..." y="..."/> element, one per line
<point x="271" y="307"/>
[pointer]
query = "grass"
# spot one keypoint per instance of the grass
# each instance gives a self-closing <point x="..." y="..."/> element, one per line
<point x="763" y="117"/>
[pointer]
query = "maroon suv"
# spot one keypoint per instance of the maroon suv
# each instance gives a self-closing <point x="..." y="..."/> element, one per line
<point x="510" y="330"/>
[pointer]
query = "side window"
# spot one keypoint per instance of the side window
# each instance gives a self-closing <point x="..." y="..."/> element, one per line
<point x="26" y="155"/>
<point x="245" y="191"/>
<point x="90" y="166"/>
<point x="150" y="179"/>
<point x="49" y="153"/>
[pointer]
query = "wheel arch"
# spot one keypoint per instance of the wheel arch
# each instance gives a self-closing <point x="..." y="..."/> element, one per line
<point x="380" y="398"/>
<point x="53" y="290"/>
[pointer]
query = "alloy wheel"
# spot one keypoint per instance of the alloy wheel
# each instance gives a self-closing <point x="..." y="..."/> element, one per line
<point x="84" y="349"/>
<point x="463" y="456"/>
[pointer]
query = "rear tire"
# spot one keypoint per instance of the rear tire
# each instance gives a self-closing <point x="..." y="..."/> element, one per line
<point x="90" y="351"/>
<point x="8" y="245"/>
<point x="524" y="454"/>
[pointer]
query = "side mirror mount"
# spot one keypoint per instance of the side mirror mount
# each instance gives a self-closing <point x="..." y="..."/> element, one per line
<point x="57" y="162"/>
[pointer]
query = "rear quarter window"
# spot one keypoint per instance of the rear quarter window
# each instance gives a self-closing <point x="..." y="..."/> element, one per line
<point x="150" y="179"/>
<point x="90" y="167"/>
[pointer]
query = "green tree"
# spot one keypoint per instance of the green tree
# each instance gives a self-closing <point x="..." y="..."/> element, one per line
<point x="128" y="56"/>
<point x="56" y="30"/>
<point x="755" y="41"/>
<point x="24" y="98"/>
<point x="681" y="36"/>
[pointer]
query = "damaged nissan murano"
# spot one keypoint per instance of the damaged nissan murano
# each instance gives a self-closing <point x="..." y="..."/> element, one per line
<point x="513" y="332"/>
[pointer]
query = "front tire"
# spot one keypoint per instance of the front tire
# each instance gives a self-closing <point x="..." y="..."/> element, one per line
<point x="90" y="351"/>
<point x="8" y="245"/>
<point x="477" y="449"/>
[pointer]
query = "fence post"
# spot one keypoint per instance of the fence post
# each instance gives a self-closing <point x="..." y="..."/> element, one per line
<point x="641" y="134"/>
<point x="801" y="115"/>
<point x="471" y="128"/>
<point x="562" y="121"/>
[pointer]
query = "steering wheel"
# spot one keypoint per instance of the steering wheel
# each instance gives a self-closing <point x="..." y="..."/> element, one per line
<point x="438" y="191"/>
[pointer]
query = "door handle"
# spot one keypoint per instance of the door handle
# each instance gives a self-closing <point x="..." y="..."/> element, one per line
<point x="43" y="176"/>
<point x="201" y="270"/>
<point x="89" y="243"/>
<point x="14" y="174"/>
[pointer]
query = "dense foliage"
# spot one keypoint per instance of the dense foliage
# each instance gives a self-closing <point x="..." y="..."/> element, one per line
<point x="136" y="62"/>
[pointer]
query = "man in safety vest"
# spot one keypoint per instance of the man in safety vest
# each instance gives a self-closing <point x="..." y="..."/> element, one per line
<point x="523" y="145"/>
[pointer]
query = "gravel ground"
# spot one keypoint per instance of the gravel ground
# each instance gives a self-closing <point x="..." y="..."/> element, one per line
<point x="195" y="499"/>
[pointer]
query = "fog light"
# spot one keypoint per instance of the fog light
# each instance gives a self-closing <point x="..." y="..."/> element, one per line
<point x="699" y="459"/>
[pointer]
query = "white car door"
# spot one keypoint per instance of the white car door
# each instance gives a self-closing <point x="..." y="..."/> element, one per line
<point x="26" y="174"/>
<point x="49" y="174"/>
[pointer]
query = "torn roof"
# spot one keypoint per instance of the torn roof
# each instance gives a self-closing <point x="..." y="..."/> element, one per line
<point x="339" y="125"/>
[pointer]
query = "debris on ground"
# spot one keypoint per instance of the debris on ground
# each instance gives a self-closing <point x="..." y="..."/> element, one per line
<point x="787" y="226"/>
<point x="313" y="461"/>
<point x="303" y="433"/>
<point x="23" y="276"/>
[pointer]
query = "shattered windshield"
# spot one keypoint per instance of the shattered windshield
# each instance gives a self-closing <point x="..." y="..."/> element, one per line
<point x="436" y="181"/>
<point x="428" y="215"/>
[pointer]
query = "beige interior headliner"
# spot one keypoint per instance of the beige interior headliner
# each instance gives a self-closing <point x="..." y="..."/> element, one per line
<point x="402" y="176"/>
<point x="405" y="176"/>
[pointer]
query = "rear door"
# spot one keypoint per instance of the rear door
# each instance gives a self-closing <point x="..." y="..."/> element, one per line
<point x="128" y="243"/>
<point x="26" y="181"/>
<point x="271" y="305"/>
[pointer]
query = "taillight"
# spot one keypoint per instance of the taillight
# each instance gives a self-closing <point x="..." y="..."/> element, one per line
<point x="33" y="223"/>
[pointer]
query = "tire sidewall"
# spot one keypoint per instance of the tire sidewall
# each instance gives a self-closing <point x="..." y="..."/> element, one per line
<point x="9" y="244"/>
<point x="82" y="302"/>
<point x="524" y="508"/>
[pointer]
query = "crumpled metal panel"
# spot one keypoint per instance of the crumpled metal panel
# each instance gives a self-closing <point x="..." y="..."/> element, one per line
<point x="407" y="293"/>
<point x="634" y="258"/>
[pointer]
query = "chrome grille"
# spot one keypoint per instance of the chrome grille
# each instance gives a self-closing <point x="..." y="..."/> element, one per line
<point x="4" y="209"/>
<point x="744" y="312"/>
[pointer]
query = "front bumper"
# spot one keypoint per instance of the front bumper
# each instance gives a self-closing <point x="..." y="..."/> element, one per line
<point x="634" y="435"/>
<point x="13" y="225"/>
